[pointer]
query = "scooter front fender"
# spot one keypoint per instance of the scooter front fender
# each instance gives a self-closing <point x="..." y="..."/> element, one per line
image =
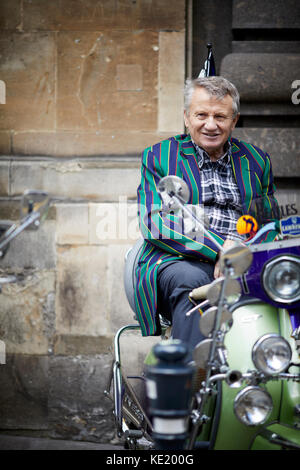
<point x="251" y="320"/>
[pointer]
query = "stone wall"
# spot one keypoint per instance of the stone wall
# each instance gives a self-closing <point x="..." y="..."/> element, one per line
<point x="89" y="84"/>
<point x="90" y="77"/>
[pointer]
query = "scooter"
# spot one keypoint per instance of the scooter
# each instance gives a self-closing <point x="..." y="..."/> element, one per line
<point x="242" y="389"/>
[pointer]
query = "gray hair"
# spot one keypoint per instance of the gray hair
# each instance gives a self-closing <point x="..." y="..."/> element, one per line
<point x="216" y="86"/>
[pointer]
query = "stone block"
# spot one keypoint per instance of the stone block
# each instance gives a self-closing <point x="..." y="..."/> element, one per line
<point x="64" y="15"/>
<point x="290" y="47"/>
<point x="129" y="77"/>
<point x="4" y="177"/>
<point x="32" y="249"/>
<point x="10" y="15"/>
<point x="24" y="385"/>
<point x="72" y="144"/>
<point x="282" y="144"/>
<point x="89" y="96"/>
<point x="59" y="396"/>
<point x="76" y="178"/>
<point x="113" y="223"/>
<point x="77" y="407"/>
<point x="171" y="82"/>
<point x="82" y="291"/>
<point x="28" y="69"/>
<point x="74" y="345"/>
<point x="251" y="14"/>
<point x="72" y="224"/>
<point x="262" y="77"/>
<point x="5" y="143"/>
<point x="27" y="315"/>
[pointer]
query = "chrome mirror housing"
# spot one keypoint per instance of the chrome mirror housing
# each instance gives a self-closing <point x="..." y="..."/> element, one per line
<point x="232" y="291"/>
<point x="208" y="319"/>
<point x="238" y="258"/>
<point x="171" y="186"/>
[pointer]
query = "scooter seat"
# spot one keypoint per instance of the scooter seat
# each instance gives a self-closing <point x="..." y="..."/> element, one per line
<point x="131" y="260"/>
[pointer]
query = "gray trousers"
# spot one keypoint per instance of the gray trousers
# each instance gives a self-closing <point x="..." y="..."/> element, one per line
<point x="175" y="281"/>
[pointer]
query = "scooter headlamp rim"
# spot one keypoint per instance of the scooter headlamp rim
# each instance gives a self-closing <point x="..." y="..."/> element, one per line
<point x="242" y="395"/>
<point x="257" y="347"/>
<point x="266" y="274"/>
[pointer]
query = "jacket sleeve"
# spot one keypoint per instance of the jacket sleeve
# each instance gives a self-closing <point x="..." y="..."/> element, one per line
<point x="166" y="230"/>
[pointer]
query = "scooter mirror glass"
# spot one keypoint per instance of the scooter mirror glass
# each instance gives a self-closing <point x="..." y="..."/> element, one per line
<point x="208" y="320"/>
<point x="171" y="186"/>
<point x="201" y="353"/>
<point x="35" y="201"/>
<point x="238" y="258"/>
<point x="232" y="291"/>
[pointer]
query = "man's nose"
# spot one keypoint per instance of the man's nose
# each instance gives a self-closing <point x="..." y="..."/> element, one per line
<point x="210" y="122"/>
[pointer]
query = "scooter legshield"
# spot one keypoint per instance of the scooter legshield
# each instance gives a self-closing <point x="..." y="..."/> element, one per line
<point x="251" y="320"/>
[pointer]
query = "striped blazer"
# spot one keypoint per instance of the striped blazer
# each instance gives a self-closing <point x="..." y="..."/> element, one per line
<point x="163" y="239"/>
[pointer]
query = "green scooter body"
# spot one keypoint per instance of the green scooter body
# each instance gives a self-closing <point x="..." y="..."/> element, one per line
<point x="250" y="322"/>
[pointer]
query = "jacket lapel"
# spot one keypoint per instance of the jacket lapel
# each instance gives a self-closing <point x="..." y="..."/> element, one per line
<point x="243" y="174"/>
<point x="190" y="170"/>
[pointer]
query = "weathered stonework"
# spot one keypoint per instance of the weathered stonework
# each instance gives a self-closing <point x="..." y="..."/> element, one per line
<point x="90" y="78"/>
<point x="262" y="77"/>
<point x="28" y="69"/>
<point x="89" y="86"/>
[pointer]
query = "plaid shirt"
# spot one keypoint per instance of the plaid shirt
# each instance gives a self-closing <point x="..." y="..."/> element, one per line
<point x="220" y="194"/>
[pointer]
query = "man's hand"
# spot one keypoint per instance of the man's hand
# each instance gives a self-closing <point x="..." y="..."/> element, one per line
<point x="227" y="244"/>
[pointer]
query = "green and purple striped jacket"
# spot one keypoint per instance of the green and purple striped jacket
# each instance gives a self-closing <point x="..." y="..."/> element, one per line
<point x="163" y="240"/>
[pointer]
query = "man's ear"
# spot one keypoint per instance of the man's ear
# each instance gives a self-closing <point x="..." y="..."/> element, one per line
<point x="185" y="116"/>
<point x="235" y="120"/>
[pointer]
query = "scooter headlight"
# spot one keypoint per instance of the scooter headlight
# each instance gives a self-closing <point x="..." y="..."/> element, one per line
<point x="253" y="406"/>
<point x="281" y="279"/>
<point x="271" y="354"/>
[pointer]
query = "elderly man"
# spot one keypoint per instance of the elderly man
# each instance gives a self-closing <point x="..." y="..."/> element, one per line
<point x="223" y="175"/>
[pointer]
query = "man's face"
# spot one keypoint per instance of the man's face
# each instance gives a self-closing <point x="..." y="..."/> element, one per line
<point x="210" y="121"/>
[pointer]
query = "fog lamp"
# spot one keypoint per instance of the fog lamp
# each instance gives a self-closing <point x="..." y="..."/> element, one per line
<point x="253" y="406"/>
<point x="271" y="354"/>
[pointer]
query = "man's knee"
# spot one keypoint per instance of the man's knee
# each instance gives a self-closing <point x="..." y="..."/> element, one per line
<point x="195" y="274"/>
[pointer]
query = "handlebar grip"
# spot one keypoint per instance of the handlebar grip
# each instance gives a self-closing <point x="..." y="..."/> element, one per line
<point x="200" y="292"/>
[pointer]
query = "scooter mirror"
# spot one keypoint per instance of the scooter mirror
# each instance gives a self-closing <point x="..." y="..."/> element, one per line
<point x="208" y="319"/>
<point x="171" y="186"/>
<point x="201" y="353"/>
<point x="232" y="291"/>
<point x="35" y="201"/>
<point x="238" y="258"/>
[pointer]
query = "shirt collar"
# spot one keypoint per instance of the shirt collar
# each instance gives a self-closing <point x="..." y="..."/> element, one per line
<point x="203" y="156"/>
